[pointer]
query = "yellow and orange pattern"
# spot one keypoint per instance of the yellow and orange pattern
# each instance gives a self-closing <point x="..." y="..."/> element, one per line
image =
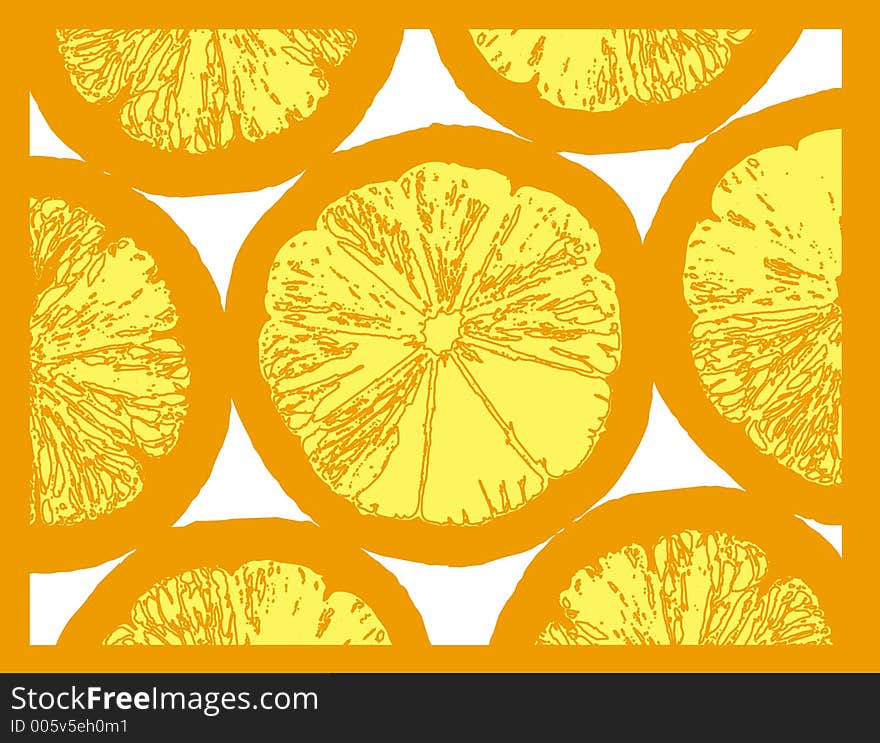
<point x="108" y="376"/>
<point x="603" y="69"/>
<point x="196" y="90"/>
<point x="761" y="279"/>
<point x="263" y="602"/>
<point x="404" y="329"/>
<point x="690" y="588"/>
<point x="427" y="333"/>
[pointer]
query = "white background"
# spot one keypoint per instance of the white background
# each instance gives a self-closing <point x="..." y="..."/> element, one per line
<point x="459" y="605"/>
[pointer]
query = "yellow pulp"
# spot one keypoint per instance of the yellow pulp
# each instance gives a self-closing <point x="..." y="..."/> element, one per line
<point x="601" y="69"/>
<point x="196" y="90"/>
<point x="761" y="278"/>
<point x="693" y="589"/>
<point x="261" y="603"/>
<point x="108" y="378"/>
<point x="442" y="345"/>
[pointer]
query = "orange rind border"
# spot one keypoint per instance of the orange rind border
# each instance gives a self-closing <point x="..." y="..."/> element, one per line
<point x="172" y="480"/>
<point x="628" y="128"/>
<point x="94" y="133"/>
<point x="565" y="497"/>
<point x="687" y="200"/>
<point x="791" y="547"/>
<point x="860" y="651"/>
<point x="229" y="544"/>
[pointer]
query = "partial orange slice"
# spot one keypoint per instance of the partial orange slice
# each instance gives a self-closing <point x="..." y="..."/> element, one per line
<point x="246" y="582"/>
<point x="612" y="89"/>
<point x="691" y="567"/>
<point x="126" y="409"/>
<point x="747" y="244"/>
<point x="196" y="111"/>
<point x="440" y="344"/>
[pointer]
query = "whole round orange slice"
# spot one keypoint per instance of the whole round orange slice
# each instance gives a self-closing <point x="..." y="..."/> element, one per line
<point x="692" y="567"/>
<point x="439" y="344"/>
<point x="611" y="89"/>
<point x="747" y="249"/>
<point x="247" y="582"/>
<point x="127" y="411"/>
<point x="198" y="111"/>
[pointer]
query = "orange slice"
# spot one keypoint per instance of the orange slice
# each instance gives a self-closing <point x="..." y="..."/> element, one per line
<point x="612" y="89"/>
<point x="439" y="343"/>
<point x="747" y="245"/>
<point x="126" y="409"/>
<point x="197" y="111"/>
<point x="246" y="582"/>
<point x="690" y="567"/>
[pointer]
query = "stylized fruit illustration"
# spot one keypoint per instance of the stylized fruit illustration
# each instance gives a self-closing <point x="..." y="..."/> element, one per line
<point x="602" y="69"/>
<point x="612" y="89"/>
<point x="436" y="332"/>
<point x="189" y="111"/>
<point x="747" y="244"/>
<point x="691" y="567"/>
<point x="126" y="410"/>
<point x="247" y="582"/>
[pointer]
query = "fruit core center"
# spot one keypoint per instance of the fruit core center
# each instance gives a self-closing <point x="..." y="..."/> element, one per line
<point x="441" y="331"/>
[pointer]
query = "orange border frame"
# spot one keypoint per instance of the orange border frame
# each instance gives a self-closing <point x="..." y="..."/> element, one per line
<point x="857" y="22"/>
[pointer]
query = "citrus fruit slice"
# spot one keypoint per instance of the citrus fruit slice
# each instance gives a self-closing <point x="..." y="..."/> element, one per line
<point x="439" y="343"/>
<point x="126" y="410"/>
<point x="246" y="582"/>
<point x="197" y="111"/>
<point x="690" y="567"/>
<point x="611" y="89"/>
<point x="747" y="244"/>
